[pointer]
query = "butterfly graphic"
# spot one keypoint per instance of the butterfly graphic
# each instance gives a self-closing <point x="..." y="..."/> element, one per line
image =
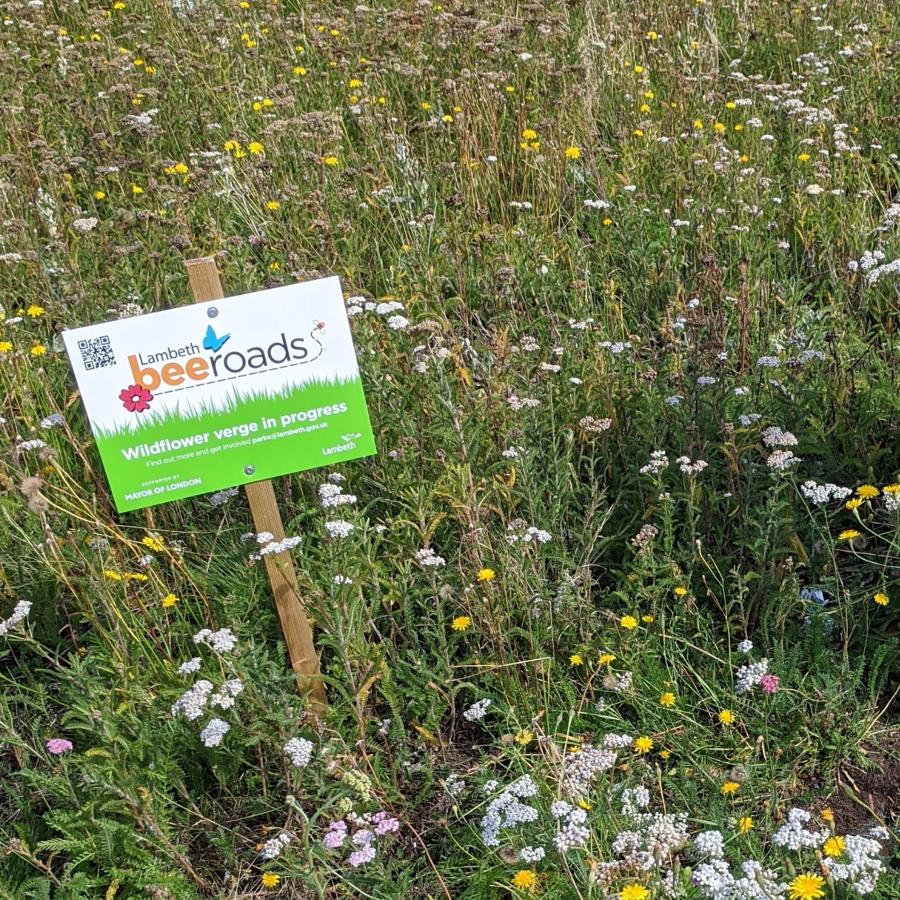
<point x="211" y="341"/>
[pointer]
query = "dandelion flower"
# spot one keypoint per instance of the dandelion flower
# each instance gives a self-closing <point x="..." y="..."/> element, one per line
<point x="575" y="659"/>
<point x="834" y="846"/>
<point x="152" y="543"/>
<point x="99" y="195"/>
<point x="606" y="659"/>
<point x="807" y="886"/>
<point x="643" y="744"/>
<point x="647" y="620"/>
<point x="256" y="148"/>
<point x="745" y="824"/>
<point x="35" y="311"/>
<point x="730" y="787"/>
<point x="667" y="699"/>
<point x="634" y="892"/>
<point x="136" y="189"/>
<point x="680" y="591"/>
<point x="827" y="815"/>
<point x="848" y="534"/>
<point x="38" y="349"/>
<point x="330" y="160"/>
<point x="525" y="879"/>
<point x="270" y="880"/>
<point x="628" y="622"/>
<point x="881" y="599"/>
<point x="665" y="754"/>
<point x="169" y="600"/>
<point x="524" y="737"/>
<point x="573" y="152"/>
<point x="867" y="491"/>
<point x="726" y="717"/>
<point x="272" y="205"/>
<point x="854" y="503"/>
<point x="486" y="575"/>
<point x="460" y="623"/>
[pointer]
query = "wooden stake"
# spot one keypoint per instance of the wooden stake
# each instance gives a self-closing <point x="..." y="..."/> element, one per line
<point x="203" y="276"/>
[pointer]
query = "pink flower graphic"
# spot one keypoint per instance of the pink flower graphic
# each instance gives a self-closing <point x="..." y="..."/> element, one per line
<point x="135" y="398"/>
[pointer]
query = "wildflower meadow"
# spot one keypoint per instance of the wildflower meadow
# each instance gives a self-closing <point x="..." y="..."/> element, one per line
<point x="612" y="612"/>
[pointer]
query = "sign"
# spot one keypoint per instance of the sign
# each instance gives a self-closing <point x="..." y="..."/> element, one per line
<point x="223" y="393"/>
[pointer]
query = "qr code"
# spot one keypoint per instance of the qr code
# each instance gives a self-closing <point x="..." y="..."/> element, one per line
<point x="96" y="353"/>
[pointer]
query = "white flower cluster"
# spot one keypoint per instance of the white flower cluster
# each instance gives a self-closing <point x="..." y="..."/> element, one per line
<point x="579" y="769"/>
<point x="779" y="460"/>
<point x="619" y="682"/>
<point x="521" y="534"/>
<point x="300" y="751"/>
<point x="273" y="546"/>
<point x="571" y="830"/>
<point x="891" y="501"/>
<point x="863" y="865"/>
<point x="710" y="844"/>
<point x="634" y="799"/>
<point x="716" y="882"/>
<point x="190" y="666"/>
<point x="338" y="528"/>
<point x="227" y="693"/>
<point x="691" y="468"/>
<point x="820" y="494"/>
<point x="332" y="495"/>
<point x="749" y="676"/>
<point x="193" y="701"/>
<point x="532" y="854"/>
<point x="658" y="462"/>
<point x="477" y="711"/>
<point x="428" y="559"/>
<point x="773" y="436"/>
<point x="222" y="641"/>
<point x="20" y="611"/>
<point x="220" y="498"/>
<point x="745" y="646"/>
<point x="517" y="403"/>
<point x="274" y="847"/>
<point x="388" y="310"/>
<point x="590" y="424"/>
<point x="215" y="730"/>
<point x="796" y="836"/>
<point x="507" y="810"/>
<point x="872" y="264"/>
<point x="512" y="452"/>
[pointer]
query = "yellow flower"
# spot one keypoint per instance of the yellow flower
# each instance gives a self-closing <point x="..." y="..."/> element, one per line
<point x="730" y="787"/>
<point x="529" y="134"/>
<point x="270" y="880"/>
<point x="652" y="35"/>
<point x="698" y="124"/>
<point x="460" y="623"/>
<point x="99" y="195"/>
<point x="803" y="157"/>
<point x="446" y="118"/>
<point x="425" y="105"/>
<point x="827" y="815"/>
<point x="136" y="576"/>
<point x="647" y="620"/>
<point x="112" y="576"/>
<point x="638" y="132"/>
<point x="525" y="879"/>
<point x="665" y="754"/>
<point x="272" y="205"/>
<point x="667" y="699"/>
<point x="35" y="311"/>
<point x="524" y="737"/>
<point x="153" y="543"/>
<point x="854" y="503"/>
<point x="719" y="128"/>
<point x="38" y="349"/>
<point x="680" y="591"/>
<point x="731" y="105"/>
<point x="643" y="744"/>
<point x="726" y="717"/>
<point x="634" y="892"/>
<point x="5" y="346"/>
<point x="330" y="160"/>
<point x="136" y="189"/>
<point x="848" y="534"/>
<point x="628" y="622"/>
<point x="807" y="886"/>
<point x="745" y="823"/>
<point x="606" y="659"/>
<point x="881" y="599"/>
<point x="644" y="108"/>
<point x="891" y="488"/>
<point x="834" y="846"/>
<point x="575" y="659"/>
<point x="867" y="491"/>
<point x="299" y="70"/>
<point x="169" y="600"/>
<point x="573" y="152"/>
<point x="486" y="575"/>
<point x="256" y="148"/>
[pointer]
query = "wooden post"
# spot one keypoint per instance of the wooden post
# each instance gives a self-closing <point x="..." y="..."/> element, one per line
<point x="203" y="276"/>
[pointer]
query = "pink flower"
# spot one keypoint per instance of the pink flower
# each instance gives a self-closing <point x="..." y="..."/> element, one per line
<point x="769" y="684"/>
<point x="135" y="398"/>
<point x="361" y="856"/>
<point x="58" y="746"/>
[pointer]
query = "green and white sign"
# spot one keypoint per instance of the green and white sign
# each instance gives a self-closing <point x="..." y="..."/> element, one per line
<point x="223" y="393"/>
